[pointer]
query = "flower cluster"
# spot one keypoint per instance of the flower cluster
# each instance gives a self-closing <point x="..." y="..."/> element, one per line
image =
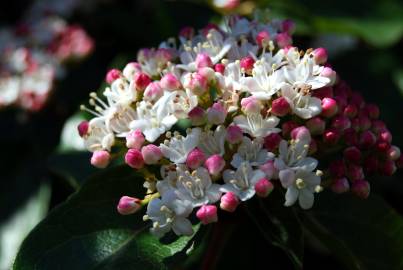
<point x="33" y="53"/>
<point x="226" y="113"/>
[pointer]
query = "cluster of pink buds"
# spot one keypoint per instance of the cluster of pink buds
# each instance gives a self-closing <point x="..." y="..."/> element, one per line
<point x="230" y="114"/>
<point x="33" y="53"/>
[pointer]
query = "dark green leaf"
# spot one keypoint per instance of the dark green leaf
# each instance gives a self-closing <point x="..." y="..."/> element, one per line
<point x="86" y="232"/>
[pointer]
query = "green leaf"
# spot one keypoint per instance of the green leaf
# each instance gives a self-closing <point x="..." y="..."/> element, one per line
<point x="86" y="232"/>
<point x="370" y="229"/>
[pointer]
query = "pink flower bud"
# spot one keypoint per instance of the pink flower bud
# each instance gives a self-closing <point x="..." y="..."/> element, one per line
<point x="272" y="141"/>
<point x="361" y="189"/>
<point x="372" y="110"/>
<point x="357" y="99"/>
<point x="216" y="114"/>
<point x="329" y="107"/>
<point x="280" y="107"/>
<point x="316" y="125"/>
<point x="385" y="136"/>
<point x="350" y="136"/>
<point x="263" y="188"/>
<point x="301" y="133"/>
<point x="215" y="164"/>
<point x="207" y="73"/>
<point x="263" y="38"/>
<point x="134" y="159"/>
<point x="342" y="90"/>
<point x="203" y="60"/>
<point x="324" y="92"/>
<point x="151" y="154"/>
<point x="337" y="169"/>
<point x="247" y="64"/>
<point x="234" y="134"/>
<point x="83" y="128"/>
<point x="198" y="84"/>
<point x="251" y="105"/>
<point x="287" y="127"/>
<point x="187" y="32"/>
<point x="269" y="169"/>
<point x="135" y="139"/>
<point x="371" y="164"/>
<point x="388" y="168"/>
<point x="197" y="116"/>
<point x="378" y="126"/>
<point x="393" y="153"/>
<point x="220" y="68"/>
<point x="227" y="4"/>
<point x="141" y="80"/>
<point x="170" y="82"/>
<point x="350" y="111"/>
<point x="320" y="56"/>
<point x="128" y="205"/>
<point x="229" y="202"/>
<point x="100" y="159"/>
<point x="112" y="75"/>
<point x="382" y="147"/>
<point x="367" y="139"/>
<point x="331" y="136"/>
<point x="340" y="185"/>
<point x="283" y="40"/>
<point x="130" y="69"/>
<point x="352" y="154"/>
<point x="153" y="91"/>
<point x="341" y="122"/>
<point x="329" y="73"/>
<point x="355" y="172"/>
<point x="288" y="26"/>
<point x="195" y="158"/>
<point x="207" y="214"/>
<point x="364" y="122"/>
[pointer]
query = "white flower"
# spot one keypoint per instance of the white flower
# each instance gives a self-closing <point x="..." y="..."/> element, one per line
<point x="212" y="143"/>
<point x="252" y="152"/>
<point x="183" y="103"/>
<point x="305" y="72"/>
<point x="120" y="92"/>
<point x="98" y="136"/>
<point x="301" y="101"/>
<point x="231" y="80"/>
<point x="9" y="90"/>
<point x="264" y="83"/>
<point x="300" y="185"/>
<point x="170" y="212"/>
<point x="241" y="49"/>
<point x="195" y="187"/>
<point x="118" y="119"/>
<point x="257" y="126"/>
<point x="178" y="147"/>
<point x="154" y="120"/>
<point x="294" y="156"/>
<point x="242" y="181"/>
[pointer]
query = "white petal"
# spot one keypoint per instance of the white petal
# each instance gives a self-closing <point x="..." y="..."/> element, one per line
<point x="291" y="196"/>
<point x="287" y="177"/>
<point x="305" y="199"/>
<point x="182" y="226"/>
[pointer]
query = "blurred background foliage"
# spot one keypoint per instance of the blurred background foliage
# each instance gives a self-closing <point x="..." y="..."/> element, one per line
<point x="39" y="167"/>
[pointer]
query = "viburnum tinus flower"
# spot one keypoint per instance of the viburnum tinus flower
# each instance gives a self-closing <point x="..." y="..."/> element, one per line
<point x="227" y="113"/>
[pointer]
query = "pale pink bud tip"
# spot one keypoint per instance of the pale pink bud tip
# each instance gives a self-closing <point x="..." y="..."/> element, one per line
<point x="263" y="187"/>
<point x="151" y="154"/>
<point x="340" y="185"/>
<point x="301" y="134"/>
<point x="135" y="139"/>
<point x="251" y="105"/>
<point x="197" y="116"/>
<point x="198" y="84"/>
<point x="229" y="202"/>
<point x="361" y="189"/>
<point x="234" y="134"/>
<point x="83" y="128"/>
<point x="112" y="75"/>
<point x="195" y="159"/>
<point x="216" y="114"/>
<point x="215" y="164"/>
<point x="269" y="169"/>
<point x="170" y="82"/>
<point x="393" y="153"/>
<point x="128" y="205"/>
<point x="280" y="107"/>
<point x="288" y="26"/>
<point x="100" y="159"/>
<point x="203" y="60"/>
<point x="320" y="55"/>
<point x="263" y="38"/>
<point x="207" y="214"/>
<point x="329" y="107"/>
<point x="134" y="159"/>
